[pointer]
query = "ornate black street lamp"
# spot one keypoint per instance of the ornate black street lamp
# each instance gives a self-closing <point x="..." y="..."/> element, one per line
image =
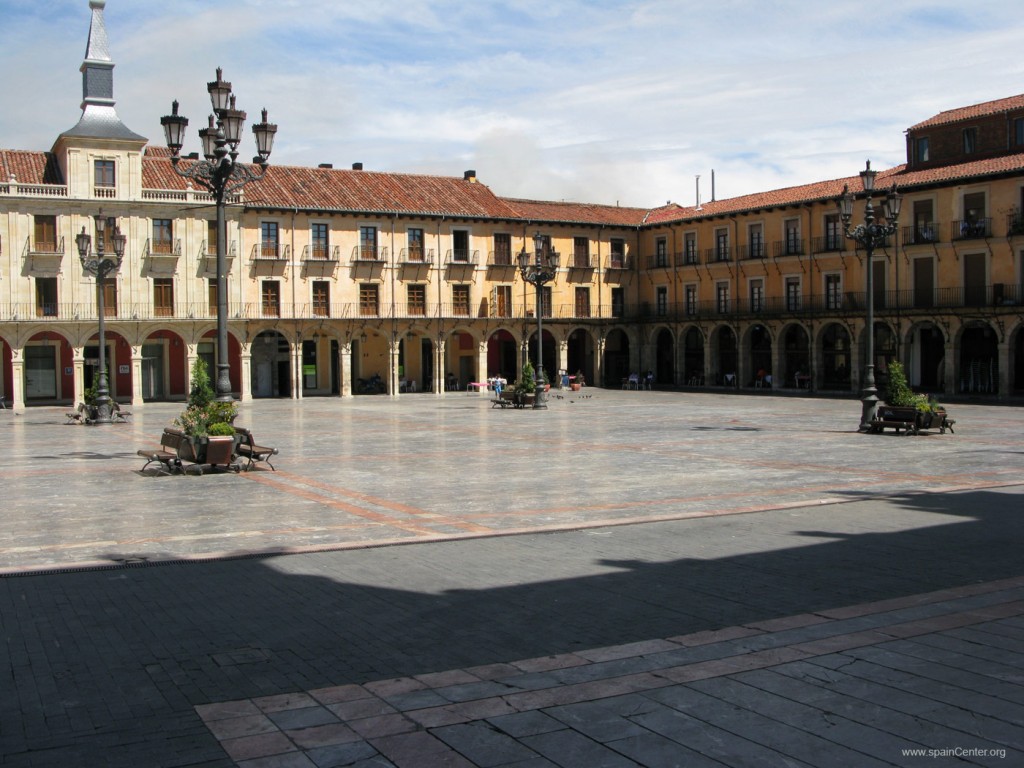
<point x="538" y="272"/>
<point x="99" y="264"/>
<point x="870" y="235"/>
<point x="221" y="174"/>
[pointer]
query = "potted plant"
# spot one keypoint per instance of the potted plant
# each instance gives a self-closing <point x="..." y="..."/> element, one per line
<point x="903" y="404"/>
<point x="204" y="416"/>
<point x="525" y="388"/>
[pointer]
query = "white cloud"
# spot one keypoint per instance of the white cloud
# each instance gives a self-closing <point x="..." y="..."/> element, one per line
<point x="604" y="101"/>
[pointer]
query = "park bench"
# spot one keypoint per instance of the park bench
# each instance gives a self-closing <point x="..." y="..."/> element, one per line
<point x="169" y="454"/>
<point x="250" y="451"/>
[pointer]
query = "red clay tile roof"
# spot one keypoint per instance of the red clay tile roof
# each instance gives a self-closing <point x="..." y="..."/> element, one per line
<point x="577" y="213"/>
<point x="997" y="107"/>
<point x="29" y="167"/>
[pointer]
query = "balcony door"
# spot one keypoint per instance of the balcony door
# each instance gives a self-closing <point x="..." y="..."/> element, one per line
<point x="924" y="282"/>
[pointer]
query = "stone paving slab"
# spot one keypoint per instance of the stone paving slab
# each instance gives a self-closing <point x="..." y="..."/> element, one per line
<point x="376" y="471"/>
<point x="768" y="555"/>
<point x="739" y="693"/>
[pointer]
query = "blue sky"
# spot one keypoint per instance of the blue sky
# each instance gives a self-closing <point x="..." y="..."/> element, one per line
<point x="591" y="100"/>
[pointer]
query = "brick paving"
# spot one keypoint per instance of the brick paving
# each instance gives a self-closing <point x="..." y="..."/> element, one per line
<point x="673" y="579"/>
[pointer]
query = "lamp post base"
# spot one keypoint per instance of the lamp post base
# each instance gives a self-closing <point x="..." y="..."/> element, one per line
<point x="869" y="410"/>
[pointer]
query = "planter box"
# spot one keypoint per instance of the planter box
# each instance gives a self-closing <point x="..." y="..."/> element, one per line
<point x="912" y="420"/>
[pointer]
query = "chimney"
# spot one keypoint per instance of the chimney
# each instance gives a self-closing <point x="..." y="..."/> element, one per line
<point x="328" y="166"/>
<point x="357" y="166"/>
<point x="470" y="176"/>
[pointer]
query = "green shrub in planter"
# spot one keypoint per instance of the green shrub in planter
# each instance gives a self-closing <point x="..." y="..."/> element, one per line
<point x="220" y="428"/>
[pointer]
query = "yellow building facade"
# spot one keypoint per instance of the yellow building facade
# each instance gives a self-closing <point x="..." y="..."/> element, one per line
<point x="344" y="281"/>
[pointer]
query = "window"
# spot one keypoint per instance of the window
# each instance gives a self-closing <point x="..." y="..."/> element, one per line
<point x="618" y="254"/>
<point x="921" y="153"/>
<point x="321" y="298"/>
<point x="103" y="178"/>
<point x="722" y="297"/>
<point x="503" y="249"/>
<point x="582" y="302"/>
<point x="970" y="141"/>
<point x="270" y="298"/>
<point x="163" y="297"/>
<point x="833" y="233"/>
<point x="460" y="245"/>
<point x="924" y="225"/>
<point x="793" y="294"/>
<point x="367" y="243"/>
<point x="1018" y="131"/>
<point x="721" y="244"/>
<point x="545" y="301"/>
<point x="269" y="243"/>
<point x="211" y="238"/>
<point x="460" y="300"/>
<point x="794" y="245"/>
<point x="367" y="299"/>
<point x="163" y="241"/>
<point x="690" y="298"/>
<point x="690" y="248"/>
<point x="755" y="236"/>
<point x="46" y="234"/>
<point x="211" y="293"/>
<point x="46" y="297"/>
<point x="618" y="302"/>
<point x="580" y="252"/>
<point x="417" y="297"/>
<point x="502" y="301"/>
<point x="319" y="235"/>
<point x="757" y="295"/>
<point x="661" y="300"/>
<point x="661" y="252"/>
<point x="110" y="297"/>
<point x="414" y="238"/>
<point x="834" y="291"/>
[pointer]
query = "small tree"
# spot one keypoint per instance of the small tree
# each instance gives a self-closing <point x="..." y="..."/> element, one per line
<point x="900" y="394"/>
<point x="203" y="412"/>
<point x="527" y="383"/>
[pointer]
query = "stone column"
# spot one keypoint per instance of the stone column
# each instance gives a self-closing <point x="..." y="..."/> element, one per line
<point x="345" y="367"/>
<point x="295" y="361"/>
<point x="599" y="345"/>
<point x="393" y="349"/>
<point x="440" y="368"/>
<point x="563" y="360"/>
<point x="18" y="379"/>
<point x="137" y="375"/>
<point x="78" y="368"/>
<point x="481" y="362"/>
<point x="245" y="371"/>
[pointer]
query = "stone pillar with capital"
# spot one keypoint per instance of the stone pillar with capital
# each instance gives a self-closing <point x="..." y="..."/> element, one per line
<point x="394" y="346"/>
<point x="345" y="367"/>
<point x="481" y="362"/>
<point x="18" y="379"/>
<point x="78" y="370"/>
<point x="245" y="371"/>
<point x="137" y="375"/>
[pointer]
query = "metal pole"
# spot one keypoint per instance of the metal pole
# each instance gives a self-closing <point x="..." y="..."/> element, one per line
<point x="102" y="387"/>
<point x="869" y="393"/>
<point x="223" y="382"/>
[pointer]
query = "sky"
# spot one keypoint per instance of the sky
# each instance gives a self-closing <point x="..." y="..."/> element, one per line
<point x="604" y="101"/>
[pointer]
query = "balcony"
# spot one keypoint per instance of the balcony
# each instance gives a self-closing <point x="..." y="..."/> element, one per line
<point x="416" y="255"/>
<point x="658" y="261"/>
<point x="968" y="229"/>
<point x="502" y="258"/>
<point x="461" y="256"/>
<point x="271" y="252"/>
<point x="581" y="260"/>
<point x="754" y="250"/>
<point x="920" y="234"/>
<point x="162" y="249"/>
<point x="791" y="246"/>
<point x="1014" y="224"/>
<point x="718" y="254"/>
<point x="827" y="243"/>
<point x="618" y="261"/>
<point x="687" y="258"/>
<point x="368" y="253"/>
<point x="322" y="253"/>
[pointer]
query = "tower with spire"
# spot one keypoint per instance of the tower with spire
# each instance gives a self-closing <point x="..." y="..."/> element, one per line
<point x="99" y="133"/>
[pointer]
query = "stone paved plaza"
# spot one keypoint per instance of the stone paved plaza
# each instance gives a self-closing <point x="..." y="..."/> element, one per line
<point x="627" y="578"/>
